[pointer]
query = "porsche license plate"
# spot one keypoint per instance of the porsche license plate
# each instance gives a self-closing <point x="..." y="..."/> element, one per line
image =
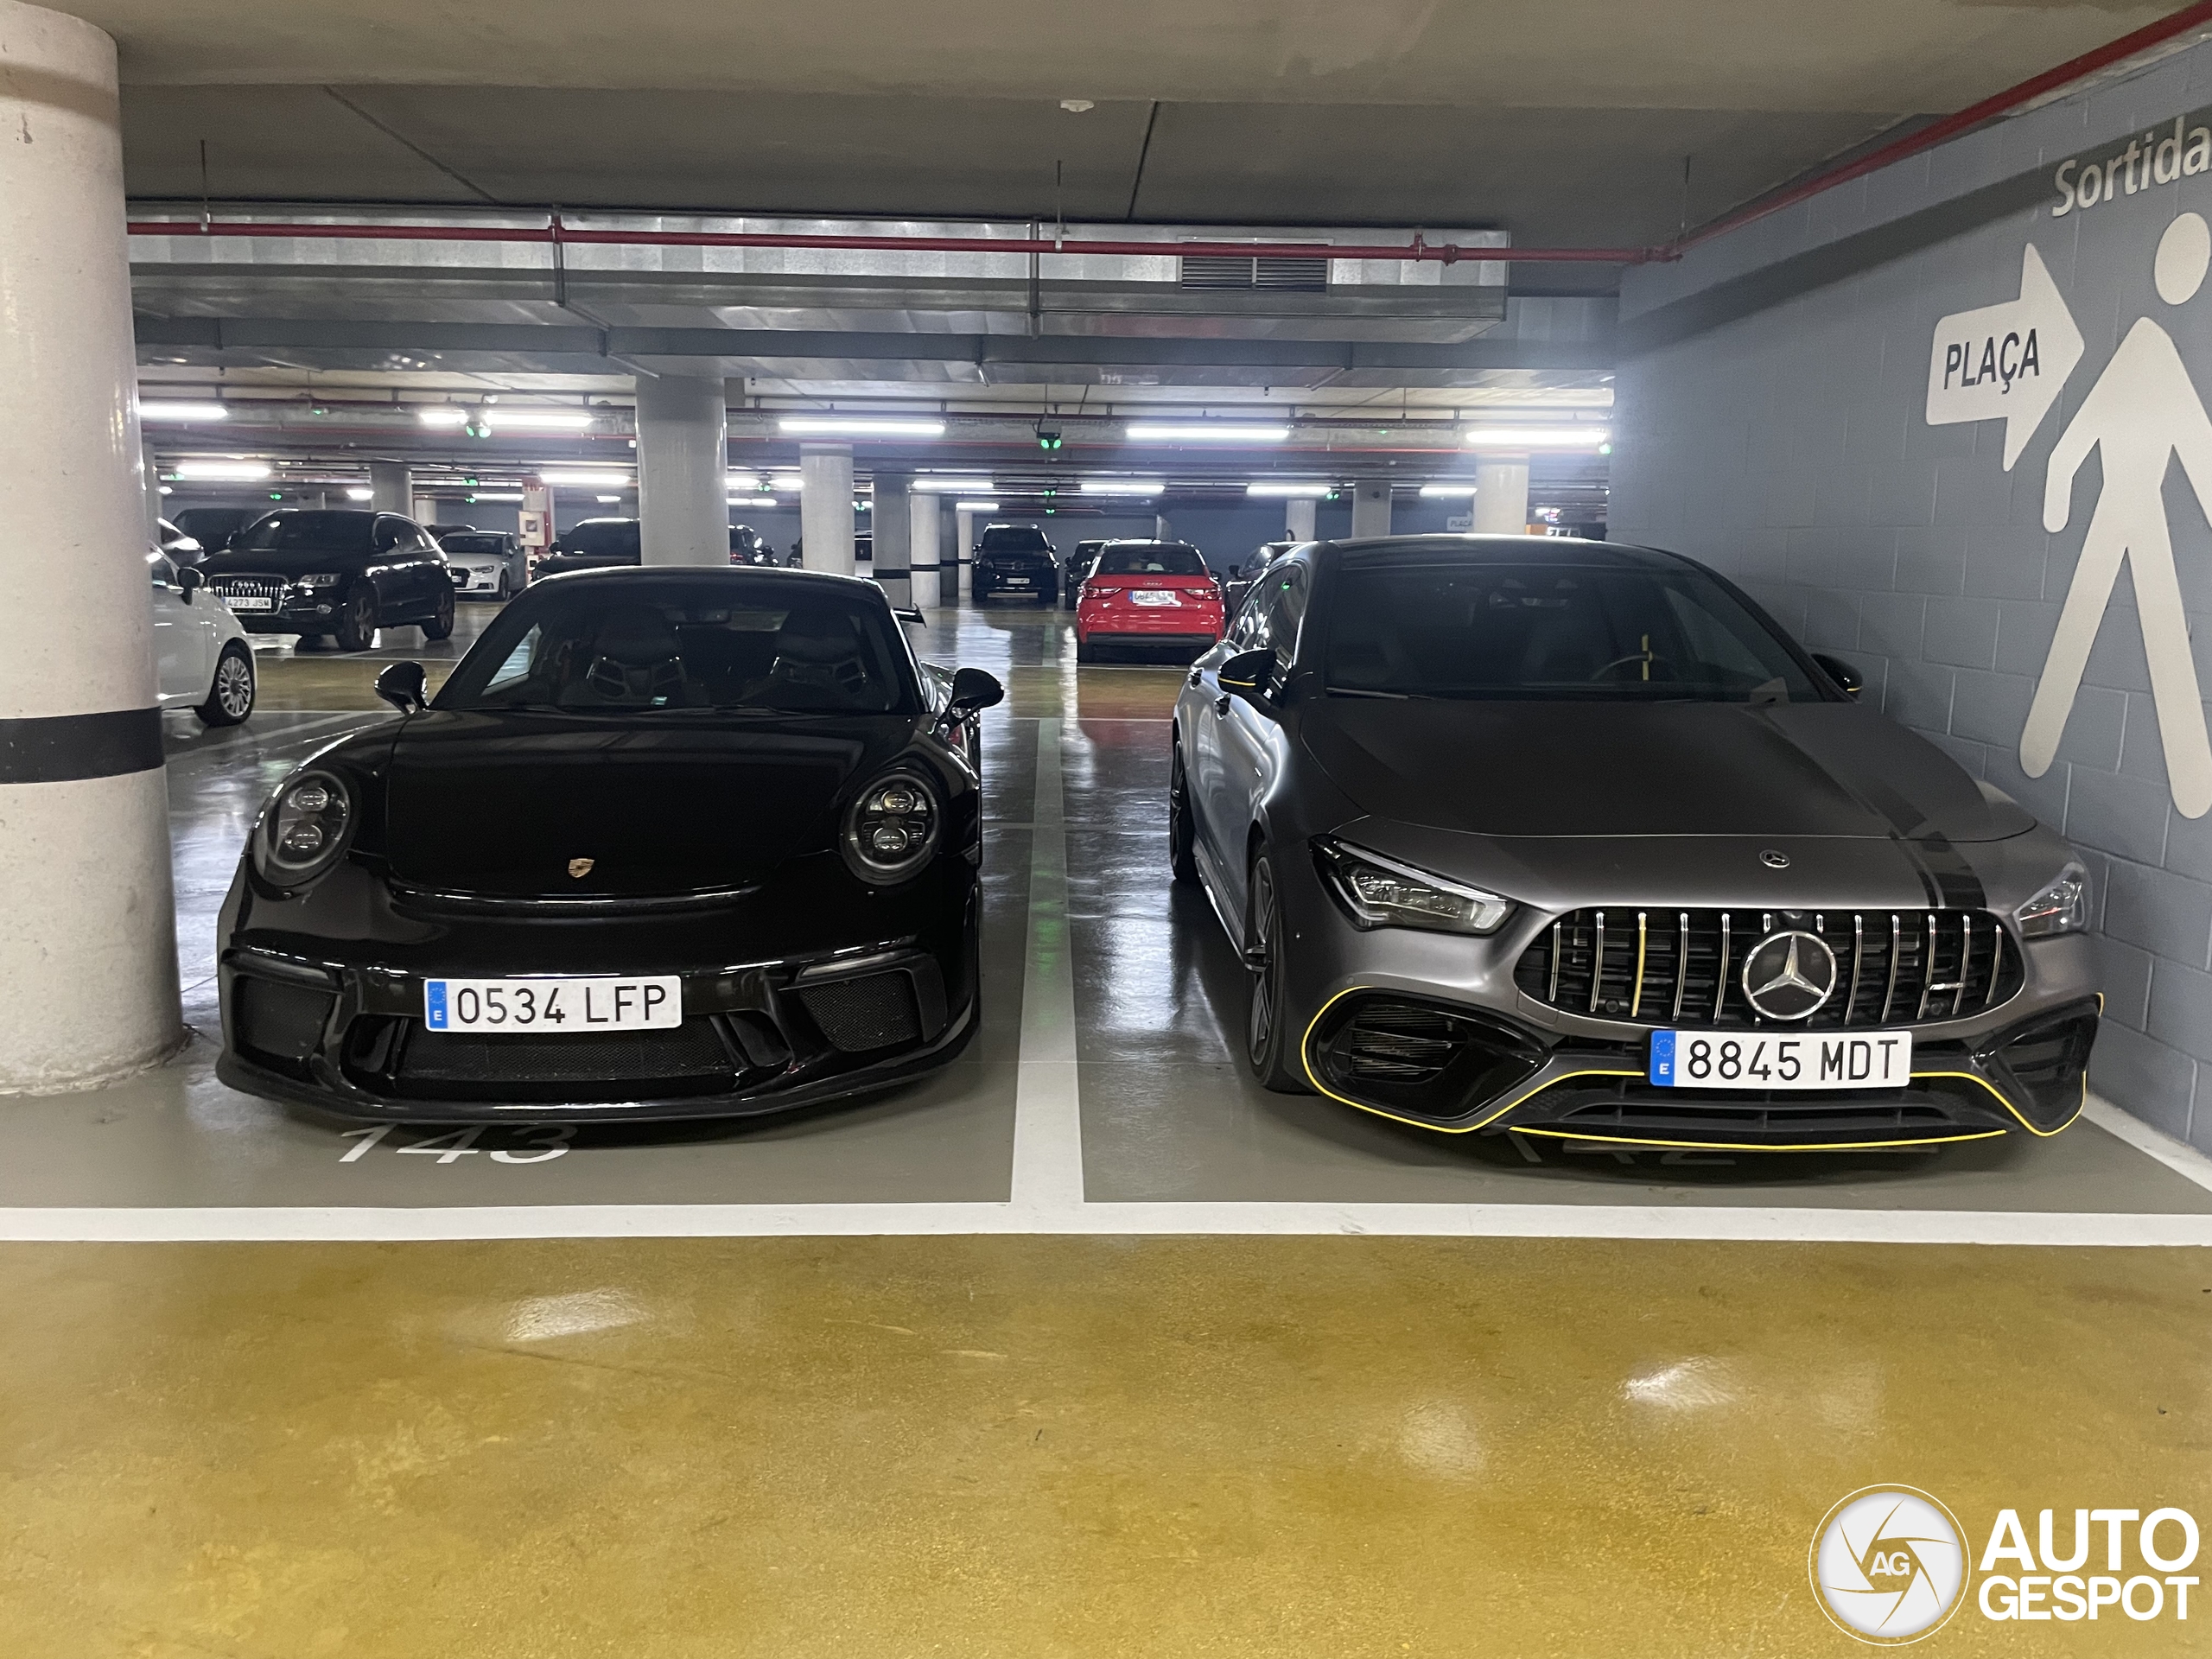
<point x="653" y="1002"/>
<point x="1712" y="1059"/>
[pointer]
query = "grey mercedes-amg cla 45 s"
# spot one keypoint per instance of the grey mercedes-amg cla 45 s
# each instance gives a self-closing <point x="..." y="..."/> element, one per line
<point x="1570" y="839"/>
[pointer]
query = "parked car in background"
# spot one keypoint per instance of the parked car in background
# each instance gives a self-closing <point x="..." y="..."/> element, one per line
<point x="1238" y="579"/>
<point x="1014" y="561"/>
<point x="202" y="660"/>
<point x="746" y="548"/>
<point x="213" y="527"/>
<point x="344" y="574"/>
<point x="486" y="564"/>
<point x="1074" y="567"/>
<point x="1155" y="595"/>
<point x="442" y="531"/>
<point x="591" y="545"/>
<point x="180" y="549"/>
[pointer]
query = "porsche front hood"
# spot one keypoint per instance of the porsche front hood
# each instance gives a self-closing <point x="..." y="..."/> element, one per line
<point x="1611" y="769"/>
<point x="507" y="805"/>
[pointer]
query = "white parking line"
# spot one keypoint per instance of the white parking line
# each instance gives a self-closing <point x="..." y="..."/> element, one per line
<point x="1047" y="1179"/>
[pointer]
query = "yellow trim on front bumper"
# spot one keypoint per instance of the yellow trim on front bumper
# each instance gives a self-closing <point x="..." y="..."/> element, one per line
<point x="1305" y="1064"/>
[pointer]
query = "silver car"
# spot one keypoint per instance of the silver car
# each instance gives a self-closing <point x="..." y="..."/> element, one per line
<point x="1570" y="839"/>
<point x="486" y="564"/>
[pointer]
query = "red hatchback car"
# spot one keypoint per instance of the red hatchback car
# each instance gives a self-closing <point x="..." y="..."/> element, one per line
<point x="1151" y="594"/>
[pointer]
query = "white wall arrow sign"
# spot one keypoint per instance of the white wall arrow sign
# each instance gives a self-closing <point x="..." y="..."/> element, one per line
<point x="2004" y="362"/>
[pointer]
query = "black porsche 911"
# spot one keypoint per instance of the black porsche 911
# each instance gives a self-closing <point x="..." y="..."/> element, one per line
<point x="668" y="843"/>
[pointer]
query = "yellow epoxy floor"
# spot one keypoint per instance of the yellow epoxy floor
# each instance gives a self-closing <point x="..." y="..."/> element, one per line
<point x="873" y="1448"/>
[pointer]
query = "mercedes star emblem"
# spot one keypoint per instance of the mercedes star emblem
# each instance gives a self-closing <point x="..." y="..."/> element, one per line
<point x="1775" y="861"/>
<point x="580" y="868"/>
<point x="1789" y="976"/>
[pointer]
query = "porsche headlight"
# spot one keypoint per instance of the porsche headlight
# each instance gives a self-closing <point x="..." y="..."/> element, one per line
<point x="2061" y="907"/>
<point x="891" y="829"/>
<point x="1380" y="892"/>
<point x="304" y="828"/>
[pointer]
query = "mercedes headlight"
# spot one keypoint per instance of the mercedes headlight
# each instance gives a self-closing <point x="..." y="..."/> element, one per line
<point x="304" y="828"/>
<point x="2061" y="907"/>
<point x="1380" y="892"/>
<point x="891" y="829"/>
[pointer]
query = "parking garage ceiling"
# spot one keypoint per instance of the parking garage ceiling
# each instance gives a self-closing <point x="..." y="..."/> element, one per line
<point x="1564" y="123"/>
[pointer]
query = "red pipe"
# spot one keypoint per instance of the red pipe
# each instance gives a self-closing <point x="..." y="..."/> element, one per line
<point x="1951" y="126"/>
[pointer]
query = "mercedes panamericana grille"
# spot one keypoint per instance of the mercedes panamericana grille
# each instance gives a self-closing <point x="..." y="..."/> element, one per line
<point x="667" y="843"/>
<point x="1569" y="839"/>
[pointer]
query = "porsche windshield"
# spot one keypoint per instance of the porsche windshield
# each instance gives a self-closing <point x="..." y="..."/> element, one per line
<point x="1553" y="631"/>
<point x="664" y="646"/>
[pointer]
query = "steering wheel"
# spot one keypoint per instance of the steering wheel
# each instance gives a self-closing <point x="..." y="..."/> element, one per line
<point x="1650" y="660"/>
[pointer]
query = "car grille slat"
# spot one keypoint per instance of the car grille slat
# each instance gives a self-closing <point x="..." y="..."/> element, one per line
<point x="1893" y="967"/>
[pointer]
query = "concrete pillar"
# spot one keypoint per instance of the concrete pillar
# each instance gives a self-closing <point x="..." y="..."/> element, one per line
<point x="1161" y="530"/>
<point x="1298" y="517"/>
<point x="420" y="508"/>
<point x="393" y="486"/>
<point x="1502" y="495"/>
<point x="964" y="555"/>
<point x="925" y="556"/>
<point x="825" y="506"/>
<point x="1370" y="509"/>
<point x="683" y="469"/>
<point x="150" y="477"/>
<point x="88" y="980"/>
<point x="894" y="536"/>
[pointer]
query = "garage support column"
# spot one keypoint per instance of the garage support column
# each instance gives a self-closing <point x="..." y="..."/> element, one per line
<point x="825" y="506"/>
<point x="392" y="486"/>
<point x="88" y="976"/>
<point x="1370" y="509"/>
<point x="1502" y="495"/>
<point x="150" y="477"/>
<point x="925" y="527"/>
<point x="964" y="554"/>
<point x="683" y="469"/>
<point x="894" y="529"/>
<point x="1297" y="518"/>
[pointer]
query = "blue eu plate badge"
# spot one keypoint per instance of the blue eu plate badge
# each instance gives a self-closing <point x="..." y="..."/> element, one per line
<point x="1662" y="1058"/>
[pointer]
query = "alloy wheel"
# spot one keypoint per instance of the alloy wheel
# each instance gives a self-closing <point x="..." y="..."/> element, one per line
<point x="234" y="687"/>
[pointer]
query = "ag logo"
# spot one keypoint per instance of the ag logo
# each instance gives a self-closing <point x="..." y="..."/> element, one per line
<point x="1888" y="1566"/>
<point x="1789" y="976"/>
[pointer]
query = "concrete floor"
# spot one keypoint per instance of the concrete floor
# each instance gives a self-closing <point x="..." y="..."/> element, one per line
<point x="1037" y="1365"/>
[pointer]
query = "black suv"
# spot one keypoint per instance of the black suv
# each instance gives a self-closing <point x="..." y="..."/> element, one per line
<point x="347" y="573"/>
<point x="1015" y="561"/>
<point x="591" y="545"/>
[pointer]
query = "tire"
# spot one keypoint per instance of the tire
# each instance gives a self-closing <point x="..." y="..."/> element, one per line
<point x="499" y="594"/>
<point x="1085" y="652"/>
<point x="1269" y="1047"/>
<point x="439" y="627"/>
<point x="231" y="694"/>
<point x="1182" y="830"/>
<point x="357" y="628"/>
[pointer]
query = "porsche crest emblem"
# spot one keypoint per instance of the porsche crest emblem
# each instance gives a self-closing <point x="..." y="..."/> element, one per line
<point x="580" y="868"/>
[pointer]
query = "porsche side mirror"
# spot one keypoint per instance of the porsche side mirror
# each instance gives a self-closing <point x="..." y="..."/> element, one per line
<point x="974" y="689"/>
<point x="1246" y="674"/>
<point x="189" y="581"/>
<point x="401" y="685"/>
<point x="1846" y="676"/>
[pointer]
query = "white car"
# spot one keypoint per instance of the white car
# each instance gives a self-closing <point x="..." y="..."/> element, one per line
<point x="486" y="564"/>
<point x="199" y="650"/>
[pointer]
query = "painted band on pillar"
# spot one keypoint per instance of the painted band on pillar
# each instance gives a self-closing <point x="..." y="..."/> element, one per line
<point x="70" y="748"/>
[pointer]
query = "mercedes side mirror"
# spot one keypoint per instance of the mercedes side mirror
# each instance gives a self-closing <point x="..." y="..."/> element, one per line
<point x="973" y="690"/>
<point x="1246" y="674"/>
<point x="402" y="686"/>
<point x="189" y="581"/>
<point x="1846" y="676"/>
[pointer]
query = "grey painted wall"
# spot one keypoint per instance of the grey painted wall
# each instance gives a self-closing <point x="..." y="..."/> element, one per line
<point x="1772" y="421"/>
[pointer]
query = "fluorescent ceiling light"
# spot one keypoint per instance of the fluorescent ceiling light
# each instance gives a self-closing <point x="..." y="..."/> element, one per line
<point x="860" y="427"/>
<point x="231" y="469"/>
<point x="1536" y="437"/>
<point x="1272" y="488"/>
<point x="742" y="481"/>
<point x="753" y="501"/>
<point x="358" y="492"/>
<point x="583" y="480"/>
<point x="183" y="412"/>
<point x="975" y="506"/>
<point x="537" y="420"/>
<point x="1123" y="485"/>
<point x="953" y="485"/>
<point x="443" y="416"/>
<point x="496" y="495"/>
<point x="609" y="498"/>
<point x="1447" y="492"/>
<point x="167" y="491"/>
<point x="1205" y="432"/>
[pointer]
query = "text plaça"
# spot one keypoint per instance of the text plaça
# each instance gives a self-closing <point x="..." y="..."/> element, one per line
<point x="2061" y="1591"/>
<point x="2005" y="359"/>
<point x="2147" y="161"/>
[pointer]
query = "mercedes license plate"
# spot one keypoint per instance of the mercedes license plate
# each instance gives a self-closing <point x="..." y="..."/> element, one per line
<point x="249" y="602"/>
<point x="652" y="1002"/>
<point x="1713" y="1059"/>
